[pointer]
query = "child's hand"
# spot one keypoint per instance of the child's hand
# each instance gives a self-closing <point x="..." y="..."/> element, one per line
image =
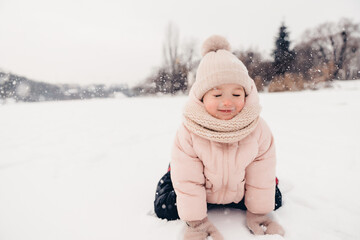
<point x="200" y="230"/>
<point x="257" y="222"/>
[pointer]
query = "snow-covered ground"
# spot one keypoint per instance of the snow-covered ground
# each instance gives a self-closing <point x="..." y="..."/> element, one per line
<point x="83" y="170"/>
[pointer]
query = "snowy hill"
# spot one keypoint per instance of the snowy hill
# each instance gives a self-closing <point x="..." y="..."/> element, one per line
<point x="81" y="170"/>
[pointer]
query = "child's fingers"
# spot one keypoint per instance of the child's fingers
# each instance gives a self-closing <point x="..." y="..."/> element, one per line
<point x="275" y="228"/>
<point x="215" y="234"/>
<point x="266" y="222"/>
<point x="192" y="234"/>
<point x="256" y="229"/>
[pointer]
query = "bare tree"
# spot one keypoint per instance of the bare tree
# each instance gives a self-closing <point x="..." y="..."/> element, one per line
<point x="178" y="62"/>
<point x="171" y="47"/>
<point x="259" y="69"/>
<point x="335" y="43"/>
<point x="190" y="60"/>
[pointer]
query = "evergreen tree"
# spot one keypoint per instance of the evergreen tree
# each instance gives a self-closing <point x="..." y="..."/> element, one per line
<point x="283" y="56"/>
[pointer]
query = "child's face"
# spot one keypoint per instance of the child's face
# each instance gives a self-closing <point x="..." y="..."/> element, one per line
<point x="224" y="101"/>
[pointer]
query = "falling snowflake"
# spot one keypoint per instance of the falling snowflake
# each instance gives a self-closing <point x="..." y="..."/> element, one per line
<point x="23" y="90"/>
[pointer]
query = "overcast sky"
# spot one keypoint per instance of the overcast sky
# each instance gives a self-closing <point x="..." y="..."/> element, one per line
<point x="115" y="41"/>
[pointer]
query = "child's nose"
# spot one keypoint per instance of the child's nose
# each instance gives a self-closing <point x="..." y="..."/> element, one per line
<point x="226" y="102"/>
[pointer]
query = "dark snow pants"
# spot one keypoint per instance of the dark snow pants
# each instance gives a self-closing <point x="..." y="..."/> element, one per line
<point x="165" y="200"/>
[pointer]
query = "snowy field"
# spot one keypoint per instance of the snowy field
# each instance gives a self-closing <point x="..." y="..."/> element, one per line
<point x="86" y="170"/>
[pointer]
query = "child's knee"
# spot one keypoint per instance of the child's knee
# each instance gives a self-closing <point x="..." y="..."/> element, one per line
<point x="278" y="198"/>
<point x="165" y="199"/>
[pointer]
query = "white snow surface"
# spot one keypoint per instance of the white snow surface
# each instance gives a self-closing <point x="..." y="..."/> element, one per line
<point x="88" y="169"/>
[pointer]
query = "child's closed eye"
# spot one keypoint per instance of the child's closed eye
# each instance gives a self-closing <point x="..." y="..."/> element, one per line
<point x="217" y="95"/>
<point x="236" y="95"/>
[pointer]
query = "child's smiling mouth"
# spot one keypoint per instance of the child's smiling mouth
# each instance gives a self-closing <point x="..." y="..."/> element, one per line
<point x="226" y="110"/>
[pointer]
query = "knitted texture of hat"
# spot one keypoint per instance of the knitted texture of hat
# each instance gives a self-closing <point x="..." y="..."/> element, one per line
<point x="219" y="66"/>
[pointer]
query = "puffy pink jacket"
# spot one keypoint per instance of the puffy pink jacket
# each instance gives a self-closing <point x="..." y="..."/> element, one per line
<point x="206" y="171"/>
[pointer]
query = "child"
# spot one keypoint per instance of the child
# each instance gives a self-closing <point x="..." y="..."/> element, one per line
<point x="224" y="153"/>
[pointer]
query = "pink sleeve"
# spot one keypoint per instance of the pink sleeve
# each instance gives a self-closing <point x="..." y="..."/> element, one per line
<point x="260" y="175"/>
<point x="188" y="178"/>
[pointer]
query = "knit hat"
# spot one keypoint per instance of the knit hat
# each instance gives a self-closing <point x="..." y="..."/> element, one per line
<point x="219" y="66"/>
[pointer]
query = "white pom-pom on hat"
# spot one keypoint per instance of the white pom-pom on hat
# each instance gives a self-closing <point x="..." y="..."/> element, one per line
<point x="214" y="43"/>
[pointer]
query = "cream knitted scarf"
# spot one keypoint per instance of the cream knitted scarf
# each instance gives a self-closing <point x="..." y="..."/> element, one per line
<point x="200" y="122"/>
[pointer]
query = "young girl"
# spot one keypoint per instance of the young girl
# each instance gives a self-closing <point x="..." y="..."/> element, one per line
<point x="223" y="154"/>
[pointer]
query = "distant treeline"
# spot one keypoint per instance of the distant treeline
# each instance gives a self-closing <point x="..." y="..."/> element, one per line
<point x="326" y="52"/>
<point x="20" y="89"/>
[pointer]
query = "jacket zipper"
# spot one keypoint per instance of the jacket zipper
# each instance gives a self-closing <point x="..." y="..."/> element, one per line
<point x="226" y="170"/>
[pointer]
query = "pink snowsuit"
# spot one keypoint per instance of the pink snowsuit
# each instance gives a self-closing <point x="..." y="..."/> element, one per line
<point x="204" y="171"/>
